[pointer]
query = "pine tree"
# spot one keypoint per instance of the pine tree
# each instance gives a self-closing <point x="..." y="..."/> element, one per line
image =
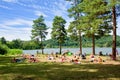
<point x="59" y="31"/>
<point x="75" y="29"/>
<point x="39" y="31"/>
<point x="93" y="17"/>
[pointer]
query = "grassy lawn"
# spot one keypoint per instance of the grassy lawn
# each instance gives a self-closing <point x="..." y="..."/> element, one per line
<point x="56" y="71"/>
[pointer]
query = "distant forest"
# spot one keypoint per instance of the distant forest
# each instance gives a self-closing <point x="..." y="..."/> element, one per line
<point x="105" y="41"/>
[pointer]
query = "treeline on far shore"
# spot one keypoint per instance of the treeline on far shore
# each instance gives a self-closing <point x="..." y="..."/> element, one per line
<point x="105" y="41"/>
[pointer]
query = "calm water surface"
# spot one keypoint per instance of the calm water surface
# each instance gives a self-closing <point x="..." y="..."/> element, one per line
<point x="73" y="50"/>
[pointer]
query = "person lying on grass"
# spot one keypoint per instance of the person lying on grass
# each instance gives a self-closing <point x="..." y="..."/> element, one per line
<point x="64" y="58"/>
<point x="33" y="59"/>
<point x="83" y="56"/>
<point x="98" y="60"/>
<point x="50" y="57"/>
<point x="92" y="58"/>
<point x="75" y="60"/>
<point x="17" y="60"/>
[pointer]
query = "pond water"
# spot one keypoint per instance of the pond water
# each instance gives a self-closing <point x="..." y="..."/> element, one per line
<point x="73" y="50"/>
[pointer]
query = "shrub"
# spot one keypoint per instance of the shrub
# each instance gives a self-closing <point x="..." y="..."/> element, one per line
<point x="3" y="49"/>
<point x="14" y="51"/>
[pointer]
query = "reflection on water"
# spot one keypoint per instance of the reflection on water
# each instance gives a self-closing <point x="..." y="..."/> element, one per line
<point x="73" y="50"/>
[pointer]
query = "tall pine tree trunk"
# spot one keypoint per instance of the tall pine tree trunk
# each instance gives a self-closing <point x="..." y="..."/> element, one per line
<point x="114" y="32"/>
<point x="60" y="48"/>
<point x="80" y="41"/>
<point x="42" y="45"/>
<point x="80" y="38"/>
<point x="93" y="44"/>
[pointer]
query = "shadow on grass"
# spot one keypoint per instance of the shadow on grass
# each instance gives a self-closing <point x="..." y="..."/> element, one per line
<point x="58" y="71"/>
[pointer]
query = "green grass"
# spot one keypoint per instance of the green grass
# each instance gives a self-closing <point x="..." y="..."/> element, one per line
<point x="56" y="71"/>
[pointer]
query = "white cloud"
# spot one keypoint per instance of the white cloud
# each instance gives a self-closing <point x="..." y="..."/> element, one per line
<point x="5" y="7"/>
<point x="49" y="33"/>
<point x="38" y="13"/>
<point x="118" y="29"/>
<point x="68" y="20"/>
<point x="17" y="22"/>
<point x="36" y="6"/>
<point x="49" y="24"/>
<point x="58" y="12"/>
<point x="13" y="1"/>
<point x="15" y="33"/>
<point x="60" y="9"/>
<point x="10" y="32"/>
<point x="62" y="6"/>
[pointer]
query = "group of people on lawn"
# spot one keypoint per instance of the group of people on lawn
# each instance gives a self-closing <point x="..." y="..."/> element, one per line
<point x="23" y="57"/>
<point x="75" y="58"/>
<point x="66" y="56"/>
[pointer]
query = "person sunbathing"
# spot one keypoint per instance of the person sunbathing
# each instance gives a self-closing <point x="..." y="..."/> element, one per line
<point x="100" y="59"/>
<point x="17" y="60"/>
<point x="63" y="58"/>
<point x="92" y="57"/>
<point x="33" y="59"/>
<point x="83" y="56"/>
<point x="75" y="60"/>
<point x="50" y="57"/>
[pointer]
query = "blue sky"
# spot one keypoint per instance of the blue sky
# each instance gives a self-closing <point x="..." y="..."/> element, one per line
<point x="16" y="16"/>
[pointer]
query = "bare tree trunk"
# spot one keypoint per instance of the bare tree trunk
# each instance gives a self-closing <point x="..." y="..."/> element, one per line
<point x="60" y="48"/>
<point x="80" y="41"/>
<point x="114" y="33"/>
<point x="42" y="45"/>
<point x="80" y="38"/>
<point x="93" y="44"/>
<point x="42" y="50"/>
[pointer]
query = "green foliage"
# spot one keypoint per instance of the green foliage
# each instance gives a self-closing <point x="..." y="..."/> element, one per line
<point x="51" y="43"/>
<point x="94" y="18"/>
<point x="3" y="49"/>
<point x="95" y="14"/>
<point x="75" y="27"/>
<point x="39" y="28"/>
<point x="3" y="40"/>
<point x="17" y="43"/>
<point x="104" y="41"/>
<point x="14" y="51"/>
<point x="30" y="45"/>
<point x="39" y="31"/>
<point x="58" y="30"/>
<point x="73" y="32"/>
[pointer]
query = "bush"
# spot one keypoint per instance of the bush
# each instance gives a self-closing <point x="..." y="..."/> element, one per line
<point x="3" y="49"/>
<point x="14" y="51"/>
